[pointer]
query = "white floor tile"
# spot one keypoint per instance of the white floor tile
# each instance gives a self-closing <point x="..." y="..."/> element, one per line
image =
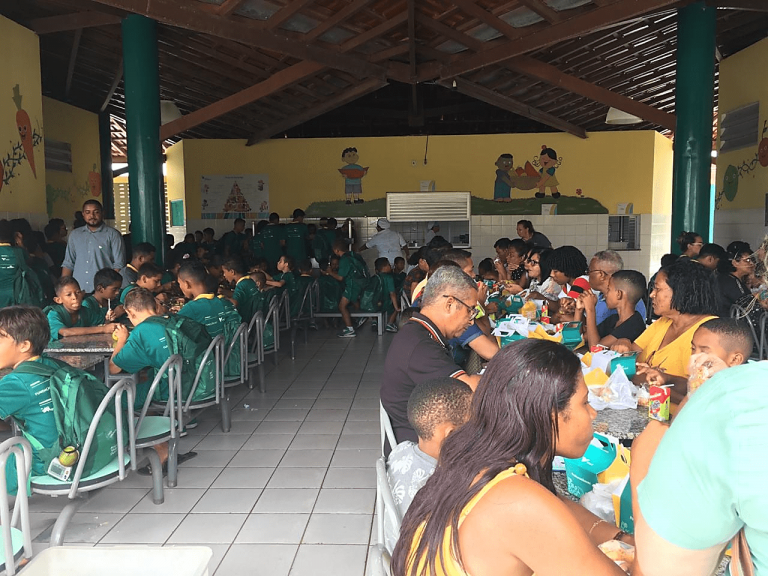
<point x="273" y="529"/>
<point x="143" y="529"/>
<point x="113" y="500"/>
<point x="204" y="528"/>
<point x="210" y="459"/>
<point x="268" y="441"/>
<point x="243" y="478"/>
<point x="197" y="477"/>
<point x="321" y="428"/>
<point x="314" y="442"/>
<point x="177" y="500"/>
<point x="297" y="478"/>
<point x="257" y="560"/>
<point x="329" y="560"/>
<point x="345" y="501"/>
<point x="227" y="501"/>
<point x="326" y="416"/>
<point x="238" y="427"/>
<point x="257" y="459"/>
<point x="225" y="441"/>
<point x="306" y="458"/>
<point x="355" y="458"/>
<point x="338" y="529"/>
<point x="278" y="427"/>
<point x="350" y="478"/>
<point x="358" y="441"/>
<point x="286" y="501"/>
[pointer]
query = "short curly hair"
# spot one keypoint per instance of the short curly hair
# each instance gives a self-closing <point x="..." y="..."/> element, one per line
<point x="437" y="401"/>
<point x="693" y="287"/>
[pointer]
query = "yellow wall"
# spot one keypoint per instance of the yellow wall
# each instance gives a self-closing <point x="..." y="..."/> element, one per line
<point x="662" y="175"/>
<point x="743" y="81"/>
<point x="174" y="166"/>
<point x="610" y="167"/>
<point x="65" y="191"/>
<point x="21" y="189"/>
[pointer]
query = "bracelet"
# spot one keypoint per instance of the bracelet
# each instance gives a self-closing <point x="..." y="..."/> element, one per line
<point x="598" y="521"/>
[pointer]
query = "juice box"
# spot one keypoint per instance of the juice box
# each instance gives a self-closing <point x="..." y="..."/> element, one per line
<point x="658" y="405"/>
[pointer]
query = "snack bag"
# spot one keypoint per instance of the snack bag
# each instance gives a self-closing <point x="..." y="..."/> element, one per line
<point x="529" y="310"/>
<point x="701" y="368"/>
<point x="658" y="405"/>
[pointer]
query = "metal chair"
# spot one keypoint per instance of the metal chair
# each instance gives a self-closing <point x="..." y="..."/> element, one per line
<point x="380" y="561"/>
<point x="763" y="336"/>
<point x="239" y="338"/>
<point x="387" y="512"/>
<point x="17" y="542"/>
<point x="741" y="313"/>
<point x="285" y="311"/>
<point x="113" y="472"/>
<point x="255" y="352"/>
<point x="303" y="319"/>
<point x="214" y="351"/>
<point x="273" y="318"/>
<point x="152" y="430"/>
<point x="385" y="427"/>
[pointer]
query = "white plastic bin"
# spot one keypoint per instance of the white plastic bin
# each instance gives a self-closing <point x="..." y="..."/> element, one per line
<point x="121" y="561"/>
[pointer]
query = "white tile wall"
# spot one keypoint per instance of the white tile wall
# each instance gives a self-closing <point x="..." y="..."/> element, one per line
<point x="746" y="225"/>
<point x="37" y="220"/>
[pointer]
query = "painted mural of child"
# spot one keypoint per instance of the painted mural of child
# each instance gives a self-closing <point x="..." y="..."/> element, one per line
<point x="502" y="187"/>
<point x="548" y="163"/>
<point x="353" y="174"/>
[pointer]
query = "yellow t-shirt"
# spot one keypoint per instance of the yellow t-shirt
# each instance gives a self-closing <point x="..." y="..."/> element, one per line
<point x="453" y="568"/>
<point x="673" y="357"/>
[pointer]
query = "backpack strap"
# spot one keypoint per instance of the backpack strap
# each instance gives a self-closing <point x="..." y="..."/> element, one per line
<point x="36" y="369"/>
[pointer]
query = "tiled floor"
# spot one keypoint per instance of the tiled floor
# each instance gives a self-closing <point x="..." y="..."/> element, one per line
<point x="289" y="491"/>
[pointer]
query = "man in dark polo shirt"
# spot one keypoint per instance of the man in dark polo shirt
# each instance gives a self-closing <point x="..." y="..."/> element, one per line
<point x="418" y="352"/>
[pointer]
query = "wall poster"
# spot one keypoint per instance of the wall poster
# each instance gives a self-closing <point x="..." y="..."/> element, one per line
<point x="230" y="196"/>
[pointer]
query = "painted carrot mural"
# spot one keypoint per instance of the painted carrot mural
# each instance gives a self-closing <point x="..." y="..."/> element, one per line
<point x="25" y="130"/>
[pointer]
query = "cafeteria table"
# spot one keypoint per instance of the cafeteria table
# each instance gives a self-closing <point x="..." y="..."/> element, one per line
<point x="624" y="424"/>
<point x="85" y="352"/>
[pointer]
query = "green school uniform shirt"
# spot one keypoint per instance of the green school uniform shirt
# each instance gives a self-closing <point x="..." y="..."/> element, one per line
<point x="40" y="268"/>
<point x="290" y="285"/>
<point x="301" y="287"/>
<point x="27" y="399"/>
<point x="399" y="278"/>
<point x="96" y="309"/>
<point x="10" y="259"/>
<point x="271" y="237"/>
<point x="146" y="347"/>
<point x="125" y="291"/>
<point x="330" y="293"/>
<point x="211" y="312"/>
<point x="59" y="318"/>
<point x="389" y="287"/>
<point x="714" y="454"/>
<point x="257" y="250"/>
<point x="296" y="234"/>
<point x="353" y="272"/>
<point x="232" y="242"/>
<point x="246" y="295"/>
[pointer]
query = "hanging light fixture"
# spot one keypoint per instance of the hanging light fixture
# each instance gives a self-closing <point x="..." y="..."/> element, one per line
<point x="169" y="111"/>
<point x="619" y="117"/>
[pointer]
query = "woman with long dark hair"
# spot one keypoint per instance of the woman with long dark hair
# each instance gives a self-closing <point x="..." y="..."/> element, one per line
<point x="732" y="274"/>
<point x="690" y="244"/>
<point x="490" y="508"/>
<point x="541" y="286"/>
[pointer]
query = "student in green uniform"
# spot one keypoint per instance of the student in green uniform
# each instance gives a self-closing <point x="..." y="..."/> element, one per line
<point x="303" y="280"/>
<point x="208" y="243"/>
<point x="12" y="260"/>
<point x="399" y="273"/>
<point x="296" y="234"/>
<point x="285" y="279"/>
<point x="265" y="292"/>
<point x="352" y="272"/>
<point x="273" y="240"/>
<point x="217" y="314"/>
<point x="67" y="317"/>
<point x="330" y="288"/>
<point x="26" y="398"/>
<point x="56" y="243"/>
<point x="39" y="265"/>
<point x="150" y="277"/>
<point x="256" y="242"/>
<point x="246" y="295"/>
<point x="232" y="241"/>
<point x="391" y="305"/>
<point x="106" y="283"/>
<point x="142" y="253"/>
<point x="145" y="347"/>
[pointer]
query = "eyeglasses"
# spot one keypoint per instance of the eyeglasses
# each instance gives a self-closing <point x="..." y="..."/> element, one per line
<point x="696" y="244"/>
<point x="748" y="260"/>
<point x="533" y="262"/>
<point x="472" y="309"/>
<point x="596" y="271"/>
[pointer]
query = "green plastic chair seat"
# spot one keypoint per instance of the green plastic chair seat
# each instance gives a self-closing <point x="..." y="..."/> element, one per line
<point x="154" y="429"/>
<point x="203" y="402"/>
<point x="49" y="485"/>
<point x="17" y="543"/>
<point x="229" y="379"/>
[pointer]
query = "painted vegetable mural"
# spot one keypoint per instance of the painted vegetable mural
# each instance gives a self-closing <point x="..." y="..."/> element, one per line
<point x="23" y="149"/>
<point x="25" y="130"/>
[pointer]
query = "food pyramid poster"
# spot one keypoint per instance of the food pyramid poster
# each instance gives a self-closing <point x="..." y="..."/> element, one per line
<point x="231" y="196"/>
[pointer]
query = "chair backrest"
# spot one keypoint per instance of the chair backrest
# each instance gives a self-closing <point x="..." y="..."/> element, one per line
<point x="216" y="350"/>
<point x="315" y="297"/>
<point x="239" y="338"/>
<point x="763" y="336"/>
<point x="741" y="313"/>
<point x="387" y="511"/>
<point x="172" y="367"/>
<point x="305" y="309"/>
<point x="381" y="561"/>
<point x="285" y="310"/>
<point x="273" y="317"/>
<point x="115" y="394"/>
<point x="19" y="449"/>
<point x="385" y="427"/>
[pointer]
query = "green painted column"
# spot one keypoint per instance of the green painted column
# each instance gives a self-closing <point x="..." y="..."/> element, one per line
<point x="142" y="112"/>
<point x="105" y="150"/>
<point x="694" y="94"/>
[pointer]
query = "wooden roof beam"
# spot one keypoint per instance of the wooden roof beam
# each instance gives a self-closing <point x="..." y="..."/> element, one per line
<point x="228" y="6"/>
<point x="550" y="15"/>
<point x="374" y="32"/>
<point x="275" y="83"/>
<point x="113" y="86"/>
<point x="411" y="10"/>
<point x="365" y="87"/>
<point x="72" y="62"/>
<point x="285" y="13"/>
<point x="551" y="75"/>
<point x="186" y="15"/>
<point x="488" y="18"/>
<point x="336" y="19"/>
<point x="571" y="28"/>
<point x="515" y="106"/>
<point x="74" y="21"/>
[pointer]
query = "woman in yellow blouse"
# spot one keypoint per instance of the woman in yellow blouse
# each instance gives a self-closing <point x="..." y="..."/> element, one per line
<point x="684" y="295"/>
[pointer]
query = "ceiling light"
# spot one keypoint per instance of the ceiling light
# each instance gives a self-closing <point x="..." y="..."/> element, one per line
<point x="169" y="111"/>
<point x="619" y="117"/>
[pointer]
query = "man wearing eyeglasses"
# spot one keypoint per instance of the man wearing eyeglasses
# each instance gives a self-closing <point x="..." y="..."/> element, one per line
<point x="603" y="265"/>
<point x="419" y="353"/>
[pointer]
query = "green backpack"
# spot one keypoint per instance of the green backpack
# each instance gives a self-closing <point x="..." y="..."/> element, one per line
<point x="231" y="320"/>
<point x="76" y="396"/>
<point x="372" y="298"/>
<point x="330" y="293"/>
<point x="27" y="288"/>
<point x="190" y="340"/>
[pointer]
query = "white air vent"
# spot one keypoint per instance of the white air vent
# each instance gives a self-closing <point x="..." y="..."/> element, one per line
<point x="423" y="206"/>
<point x="739" y="128"/>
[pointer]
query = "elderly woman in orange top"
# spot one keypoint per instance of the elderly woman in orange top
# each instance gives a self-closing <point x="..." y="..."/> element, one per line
<point x="684" y="295"/>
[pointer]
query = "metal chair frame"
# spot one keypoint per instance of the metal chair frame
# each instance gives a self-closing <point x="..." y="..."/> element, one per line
<point x="240" y="338"/>
<point x="20" y="449"/>
<point x="740" y="313"/>
<point x="216" y="347"/>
